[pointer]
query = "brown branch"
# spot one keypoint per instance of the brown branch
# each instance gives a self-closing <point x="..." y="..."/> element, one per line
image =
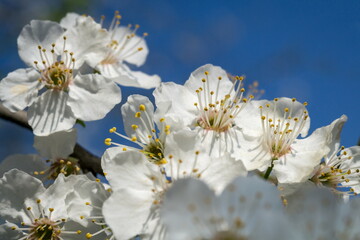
<point x="88" y="162"/>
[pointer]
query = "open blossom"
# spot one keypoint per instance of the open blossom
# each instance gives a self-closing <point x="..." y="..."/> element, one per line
<point x="122" y="47"/>
<point x="248" y="208"/>
<point x="142" y="128"/>
<point x="53" y="87"/>
<point x="340" y="168"/>
<point x="139" y="186"/>
<point x="210" y="104"/>
<point x="278" y="148"/>
<point x="34" y="212"/>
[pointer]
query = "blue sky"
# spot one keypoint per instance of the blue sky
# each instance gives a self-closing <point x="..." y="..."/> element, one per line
<point x="304" y="49"/>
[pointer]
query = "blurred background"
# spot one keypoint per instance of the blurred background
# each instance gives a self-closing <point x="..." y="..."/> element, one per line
<point x="306" y="49"/>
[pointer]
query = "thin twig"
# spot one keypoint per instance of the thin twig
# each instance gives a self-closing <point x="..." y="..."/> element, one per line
<point x="88" y="161"/>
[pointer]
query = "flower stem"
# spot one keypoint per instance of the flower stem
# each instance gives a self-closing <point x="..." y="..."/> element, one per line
<point x="268" y="171"/>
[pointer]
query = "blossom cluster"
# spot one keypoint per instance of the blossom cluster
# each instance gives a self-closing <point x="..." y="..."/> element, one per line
<point x="209" y="159"/>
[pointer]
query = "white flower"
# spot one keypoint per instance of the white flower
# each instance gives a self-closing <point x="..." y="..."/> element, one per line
<point x="139" y="185"/>
<point x="140" y="127"/>
<point x="34" y="212"/>
<point x="122" y="47"/>
<point x="209" y="103"/>
<point x="340" y="168"/>
<point x="248" y="208"/>
<point x="278" y="148"/>
<point x="68" y="94"/>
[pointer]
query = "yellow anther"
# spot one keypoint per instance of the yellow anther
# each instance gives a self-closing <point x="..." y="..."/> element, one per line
<point x="13" y="228"/>
<point x="162" y="161"/>
<point x="140" y="49"/>
<point x="197" y="152"/>
<point x="206" y="73"/>
<point x="134" y="139"/>
<point x="97" y="180"/>
<point x="78" y="231"/>
<point x="276" y="99"/>
<point x="219" y="78"/>
<point x="138" y="114"/>
<point x="142" y="107"/>
<point x="28" y="208"/>
<point x="286" y="109"/>
<point x="38" y="201"/>
<point x="36" y="173"/>
<point x="62" y="161"/>
<point x="88" y="235"/>
<point x="293" y="99"/>
<point x="87" y="203"/>
<point x="134" y="126"/>
<point x="82" y="217"/>
<point x="203" y="80"/>
<point x="242" y="90"/>
<point x="51" y="209"/>
<point x="112" y="130"/>
<point x="305" y="103"/>
<point x="245" y="100"/>
<point x="145" y="34"/>
<point x="107" y="141"/>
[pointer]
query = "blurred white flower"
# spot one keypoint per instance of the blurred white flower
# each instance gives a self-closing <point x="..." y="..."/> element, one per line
<point x="248" y="208"/>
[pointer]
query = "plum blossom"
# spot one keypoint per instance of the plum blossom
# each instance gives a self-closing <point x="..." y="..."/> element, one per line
<point x="121" y="47"/>
<point x="209" y="103"/>
<point x="53" y="87"/>
<point x="34" y="212"/>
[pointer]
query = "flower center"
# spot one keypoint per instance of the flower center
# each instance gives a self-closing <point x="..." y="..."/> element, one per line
<point x="216" y="113"/>
<point x="44" y="229"/>
<point x="154" y="151"/>
<point x="336" y="172"/>
<point x="280" y="132"/>
<point x="56" y="74"/>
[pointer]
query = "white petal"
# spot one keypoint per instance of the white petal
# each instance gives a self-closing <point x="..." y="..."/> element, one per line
<point x="214" y="72"/>
<point x="85" y="191"/>
<point x="188" y="206"/>
<point x="128" y="111"/>
<point x="19" y="89"/>
<point x="27" y="163"/>
<point x="69" y="20"/>
<point x="129" y="169"/>
<point x="91" y="97"/>
<point x="126" y="211"/>
<point x="335" y="129"/>
<point x="15" y="187"/>
<point x="176" y="104"/>
<point x="50" y="113"/>
<point x="37" y="33"/>
<point x="56" y="145"/>
<point x="123" y="75"/>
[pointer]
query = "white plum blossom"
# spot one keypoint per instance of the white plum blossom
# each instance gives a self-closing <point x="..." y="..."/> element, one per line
<point x="34" y="212"/>
<point x="209" y="103"/>
<point x="340" y="168"/>
<point x="138" y="185"/>
<point x="277" y="147"/>
<point x="142" y="128"/>
<point x="122" y="47"/>
<point x="53" y="88"/>
<point x="248" y="208"/>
